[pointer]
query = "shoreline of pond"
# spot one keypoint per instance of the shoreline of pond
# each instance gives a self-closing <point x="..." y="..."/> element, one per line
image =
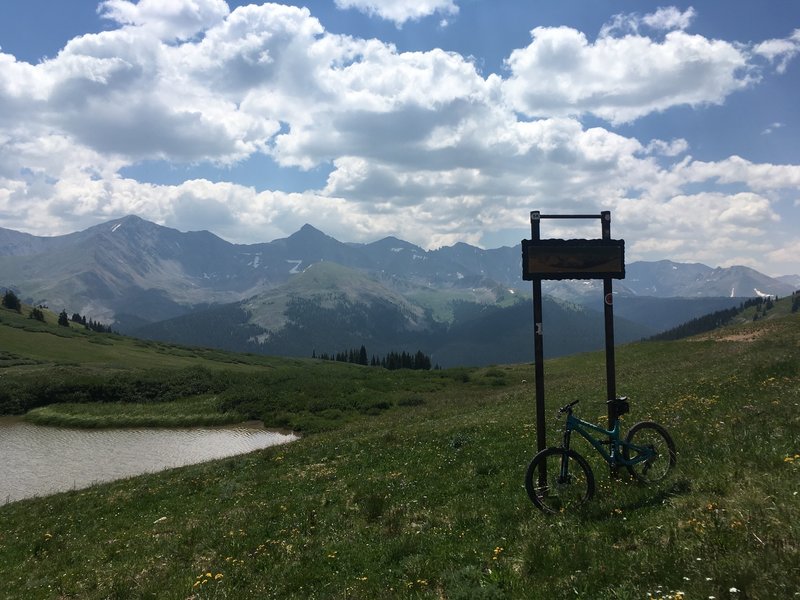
<point x="254" y="424"/>
<point x="44" y="460"/>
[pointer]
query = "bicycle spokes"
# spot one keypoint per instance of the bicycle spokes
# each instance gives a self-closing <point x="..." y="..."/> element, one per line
<point x="567" y="482"/>
<point x="652" y="457"/>
<point x="651" y="452"/>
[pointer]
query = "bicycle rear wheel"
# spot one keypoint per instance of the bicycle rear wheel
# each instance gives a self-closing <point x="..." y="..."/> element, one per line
<point x="654" y="438"/>
<point x="569" y="482"/>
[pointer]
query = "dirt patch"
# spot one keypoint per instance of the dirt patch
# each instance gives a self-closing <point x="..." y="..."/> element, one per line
<point x="743" y="336"/>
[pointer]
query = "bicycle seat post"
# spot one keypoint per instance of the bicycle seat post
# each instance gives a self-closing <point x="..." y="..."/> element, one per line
<point x="616" y="408"/>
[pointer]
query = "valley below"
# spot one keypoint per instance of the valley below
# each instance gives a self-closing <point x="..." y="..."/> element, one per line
<point x="310" y="294"/>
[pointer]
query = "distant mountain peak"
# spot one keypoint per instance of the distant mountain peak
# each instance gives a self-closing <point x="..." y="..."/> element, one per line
<point x="306" y="234"/>
<point x="145" y="271"/>
<point x="127" y="220"/>
<point x="126" y="223"/>
<point x="395" y="244"/>
<point x="308" y="229"/>
<point x="466" y="246"/>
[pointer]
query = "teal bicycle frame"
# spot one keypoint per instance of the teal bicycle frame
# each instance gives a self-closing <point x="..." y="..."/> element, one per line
<point x="614" y="457"/>
<point x="572" y="482"/>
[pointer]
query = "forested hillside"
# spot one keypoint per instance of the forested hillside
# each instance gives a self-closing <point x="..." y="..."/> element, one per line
<point x="753" y="309"/>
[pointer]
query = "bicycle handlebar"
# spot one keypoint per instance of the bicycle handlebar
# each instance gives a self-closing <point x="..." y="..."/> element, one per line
<point x="568" y="407"/>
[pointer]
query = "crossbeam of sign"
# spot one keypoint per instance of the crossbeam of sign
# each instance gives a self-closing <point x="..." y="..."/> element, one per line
<point x="573" y="259"/>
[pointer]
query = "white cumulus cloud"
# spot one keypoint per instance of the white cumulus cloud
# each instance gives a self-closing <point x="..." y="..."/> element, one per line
<point x="621" y="79"/>
<point x="671" y="148"/>
<point x="780" y="51"/>
<point x="666" y="19"/>
<point x="168" y="19"/>
<point x="400" y="11"/>
<point x="670" y="18"/>
<point x="417" y="144"/>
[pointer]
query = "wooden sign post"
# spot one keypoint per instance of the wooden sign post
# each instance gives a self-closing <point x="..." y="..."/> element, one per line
<point x="571" y="259"/>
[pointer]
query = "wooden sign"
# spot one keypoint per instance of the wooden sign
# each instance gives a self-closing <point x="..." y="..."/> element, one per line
<point x="573" y="259"/>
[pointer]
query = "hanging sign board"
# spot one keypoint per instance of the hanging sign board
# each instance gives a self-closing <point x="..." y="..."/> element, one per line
<point x="573" y="259"/>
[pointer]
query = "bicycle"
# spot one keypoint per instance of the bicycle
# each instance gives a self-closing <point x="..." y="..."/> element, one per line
<point x="559" y="479"/>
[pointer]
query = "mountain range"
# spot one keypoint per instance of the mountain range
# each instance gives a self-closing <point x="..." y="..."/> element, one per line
<point x="312" y="293"/>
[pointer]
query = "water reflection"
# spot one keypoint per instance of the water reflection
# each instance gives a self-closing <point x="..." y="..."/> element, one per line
<point x="43" y="460"/>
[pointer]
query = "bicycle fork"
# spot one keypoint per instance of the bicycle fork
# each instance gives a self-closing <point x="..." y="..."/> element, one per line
<point x="563" y="476"/>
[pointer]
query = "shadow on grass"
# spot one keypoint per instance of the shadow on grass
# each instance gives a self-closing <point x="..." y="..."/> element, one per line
<point x="597" y="512"/>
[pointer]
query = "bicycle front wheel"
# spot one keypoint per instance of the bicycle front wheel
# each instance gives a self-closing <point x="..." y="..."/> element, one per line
<point x="651" y="440"/>
<point x="559" y="480"/>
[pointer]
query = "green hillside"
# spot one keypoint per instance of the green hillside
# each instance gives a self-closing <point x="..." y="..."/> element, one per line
<point x="421" y="494"/>
<point x="328" y="307"/>
<point x="51" y="370"/>
<point x="44" y="345"/>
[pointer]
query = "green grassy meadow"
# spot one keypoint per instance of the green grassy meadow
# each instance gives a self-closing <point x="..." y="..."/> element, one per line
<point x="410" y="484"/>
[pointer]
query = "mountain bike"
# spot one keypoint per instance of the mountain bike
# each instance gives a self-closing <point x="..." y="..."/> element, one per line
<point x="559" y="479"/>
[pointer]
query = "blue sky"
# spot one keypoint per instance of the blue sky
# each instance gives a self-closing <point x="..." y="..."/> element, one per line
<point x="436" y="121"/>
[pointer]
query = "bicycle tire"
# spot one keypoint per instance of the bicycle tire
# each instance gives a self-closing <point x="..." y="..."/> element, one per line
<point x="653" y="435"/>
<point x="558" y="496"/>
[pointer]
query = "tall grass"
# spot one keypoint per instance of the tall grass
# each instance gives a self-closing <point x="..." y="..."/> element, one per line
<point x="425" y="499"/>
<point x="194" y="411"/>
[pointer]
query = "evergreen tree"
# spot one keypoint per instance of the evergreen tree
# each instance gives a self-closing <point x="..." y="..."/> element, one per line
<point x="391" y="361"/>
<point x="98" y="327"/>
<point x="11" y="301"/>
<point x="37" y="314"/>
<point x="63" y="319"/>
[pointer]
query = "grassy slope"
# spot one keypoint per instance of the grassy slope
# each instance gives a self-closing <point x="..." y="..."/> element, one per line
<point x="50" y="372"/>
<point x="46" y="345"/>
<point x="427" y="501"/>
<point x="51" y="369"/>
